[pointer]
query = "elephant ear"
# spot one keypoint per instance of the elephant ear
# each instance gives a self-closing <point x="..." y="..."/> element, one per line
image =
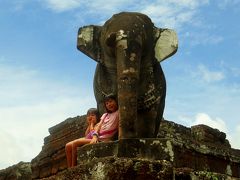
<point x="166" y="43"/>
<point x="88" y="41"/>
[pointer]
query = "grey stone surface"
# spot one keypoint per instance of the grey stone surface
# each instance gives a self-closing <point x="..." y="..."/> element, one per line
<point x="179" y="152"/>
<point x="52" y="157"/>
<point x="20" y="171"/>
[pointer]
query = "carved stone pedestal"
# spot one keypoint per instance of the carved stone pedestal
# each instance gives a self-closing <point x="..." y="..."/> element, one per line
<point x="179" y="152"/>
<point x="158" y="158"/>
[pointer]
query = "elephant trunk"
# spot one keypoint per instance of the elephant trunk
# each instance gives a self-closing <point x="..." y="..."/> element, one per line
<point x="128" y="54"/>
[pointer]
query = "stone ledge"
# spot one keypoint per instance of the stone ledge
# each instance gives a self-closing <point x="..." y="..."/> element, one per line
<point x="21" y="171"/>
<point x="194" y="156"/>
<point x="196" y="145"/>
<point x="116" y="168"/>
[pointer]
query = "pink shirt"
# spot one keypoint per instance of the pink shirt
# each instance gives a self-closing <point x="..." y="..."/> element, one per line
<point x="109" y="125"/>
<point x="90" y="134"/>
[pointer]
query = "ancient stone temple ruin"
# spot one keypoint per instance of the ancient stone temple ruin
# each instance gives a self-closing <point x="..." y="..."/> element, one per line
<point x="178" y="152"/>
<point x="128" y="49"/>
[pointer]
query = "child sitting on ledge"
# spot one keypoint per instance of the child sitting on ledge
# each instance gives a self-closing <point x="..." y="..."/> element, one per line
<point x="102" y="131"/>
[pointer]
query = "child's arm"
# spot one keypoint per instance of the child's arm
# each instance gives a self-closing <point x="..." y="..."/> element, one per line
<point x="87" y="130"/>
<point x="96" y="129"/>
<point x="95" y="134"/>
<point x="91" y="127"/>
<point x="98" y="126"/>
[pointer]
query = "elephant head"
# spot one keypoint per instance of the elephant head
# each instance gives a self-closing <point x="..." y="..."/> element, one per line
<point x="128" y="49"/>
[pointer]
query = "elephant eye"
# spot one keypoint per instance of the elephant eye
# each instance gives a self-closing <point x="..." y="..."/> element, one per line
<point x="111" y="40"/>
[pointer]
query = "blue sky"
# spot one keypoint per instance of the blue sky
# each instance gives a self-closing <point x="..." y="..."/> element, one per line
<point x="44" y="79"/>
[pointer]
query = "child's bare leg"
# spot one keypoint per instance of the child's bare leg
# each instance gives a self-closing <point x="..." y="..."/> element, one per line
<point x="77" y="143"/>
<point x="68" y="149"/>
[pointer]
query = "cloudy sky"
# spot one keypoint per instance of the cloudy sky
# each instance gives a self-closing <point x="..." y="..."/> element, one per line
<point x="44" y="79"/>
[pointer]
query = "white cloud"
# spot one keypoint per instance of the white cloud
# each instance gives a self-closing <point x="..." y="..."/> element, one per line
<point x="189" y="3"/>
<point x="63" y="5"/>
<point x="101" y="6"/>
<point x="226" y="3"/>
<point x="202" y="38"/>
<point x="232" y="69"/>
<point x="203" y="118"/>
<point x="208" y="90"/>
<point x="209" y="76"/>
<point x="24" y="128"/>
<point x="29" y="105"/>
<point x="234" y="137"/>
<point x="235" y="71"/>
<point x="9" y="150"/>
<point x="172" y="14"/>
<point x="19" y="84"/>
<point x="220" y="124"/>
<point x="18" y="5"/>
<point x="169" y="14"/>
<point x="106" y="7"/>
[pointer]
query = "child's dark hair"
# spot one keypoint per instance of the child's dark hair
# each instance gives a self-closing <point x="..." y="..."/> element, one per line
<point x="94" y="111"/>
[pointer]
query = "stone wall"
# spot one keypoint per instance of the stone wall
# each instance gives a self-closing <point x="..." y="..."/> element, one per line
<point x="115" y="168"/>
<point x="52" y="158"/>
<point x="179" y="152"/>
<point x="20" y="171"/>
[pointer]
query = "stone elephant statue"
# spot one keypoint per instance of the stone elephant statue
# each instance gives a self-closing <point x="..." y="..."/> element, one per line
<point x="128" y="49"/>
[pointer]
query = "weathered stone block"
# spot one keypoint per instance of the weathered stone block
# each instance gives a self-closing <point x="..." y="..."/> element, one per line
<point x="200" y="157"/>
<point x="114" y="168"/>
<point x="20" y="171"/>
<point x="199" y="152"/>
<point x="52" y="158"/>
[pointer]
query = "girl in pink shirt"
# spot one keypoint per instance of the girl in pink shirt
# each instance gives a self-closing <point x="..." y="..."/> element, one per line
<point x="108" y="125"/>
